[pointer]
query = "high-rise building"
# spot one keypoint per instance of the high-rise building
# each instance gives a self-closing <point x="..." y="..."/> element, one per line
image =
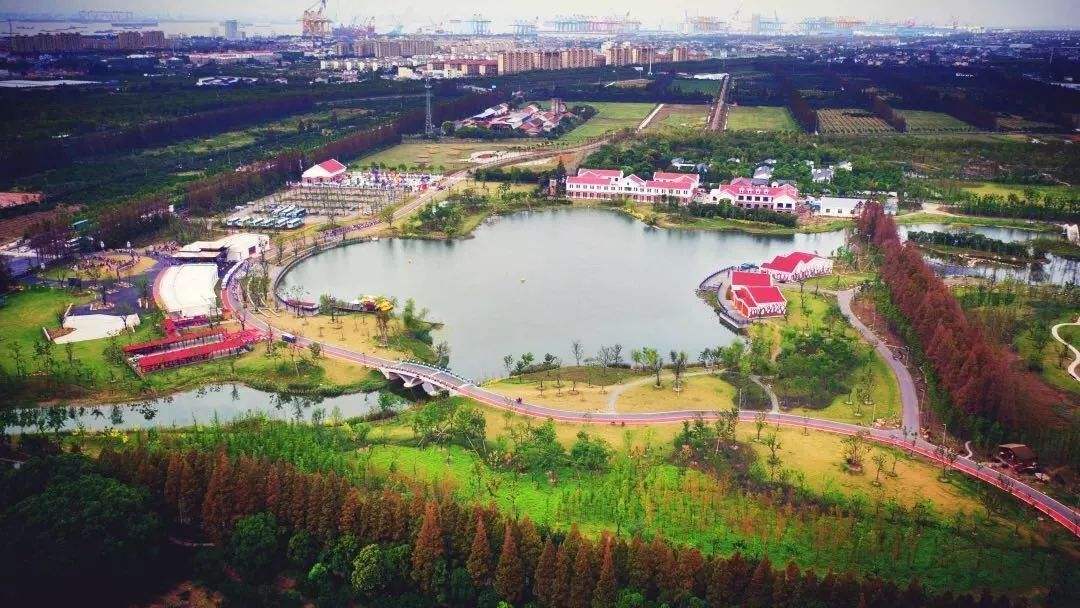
<point x="129" y="41"/>
<point x="47" y="43"/>
<point x="511" y="62"/>
<point x="153" y="39"/>
<point x="232" y="29"/>
<point x="578" y="58"/>
<point x="761" y="25"/>
<point x="680" y="53"/>
<point x="619" y="54"/>
<point x="642" y="55"/>
<point x="548" y="60"/>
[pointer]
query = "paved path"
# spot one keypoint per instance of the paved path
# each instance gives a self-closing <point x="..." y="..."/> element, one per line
<point x="909" y="395"/>
<point x="768" y="391"/>
<point x="619" y="389"/>
<point x="1076" y="353"/>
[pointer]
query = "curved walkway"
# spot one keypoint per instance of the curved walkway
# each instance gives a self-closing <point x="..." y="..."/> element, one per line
<point x="909" y="395"/>
<point x="909" y="442"/>
<point x="1076" y="353"/>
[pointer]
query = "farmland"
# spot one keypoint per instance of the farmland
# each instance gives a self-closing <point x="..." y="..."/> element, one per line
<point x="935" y="122"/>
<point x="851" y="121"/>
<point x="760" y="118"/>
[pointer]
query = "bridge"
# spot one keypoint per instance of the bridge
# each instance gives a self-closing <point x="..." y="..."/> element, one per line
<point x="433" y="380"/>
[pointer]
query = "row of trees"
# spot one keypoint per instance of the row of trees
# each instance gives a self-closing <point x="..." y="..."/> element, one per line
<point x="1032" y="205"/>
<point x="969" y="240"/>
<point x="728" y="211"/>
<point x="52" y="153"/>
<point x="457" y="555"/>
<point x="980" y="382"/>
<point x="883" y="111"/>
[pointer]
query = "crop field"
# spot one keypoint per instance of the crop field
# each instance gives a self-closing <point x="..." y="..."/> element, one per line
<point x="679" y="116"/>
<point x="1019" y="123"/>
<point x="695" y="85"/>
<point x="760" y="118"/>
<point x="610" y="116"/>
<point x="925" y="122"/>
<point x="851" y="121"/>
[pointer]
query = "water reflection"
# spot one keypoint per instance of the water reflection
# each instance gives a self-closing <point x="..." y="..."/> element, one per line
<point x="203" y="405"/>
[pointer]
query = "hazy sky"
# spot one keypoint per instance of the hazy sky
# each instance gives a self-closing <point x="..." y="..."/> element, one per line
<point x="1007" y="13"/>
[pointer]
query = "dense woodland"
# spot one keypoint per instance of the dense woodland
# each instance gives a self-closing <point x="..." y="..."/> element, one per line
<point x="985" y="394"/>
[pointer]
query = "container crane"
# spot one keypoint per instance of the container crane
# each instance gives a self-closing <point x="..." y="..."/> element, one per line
<point x="315" y="24"/>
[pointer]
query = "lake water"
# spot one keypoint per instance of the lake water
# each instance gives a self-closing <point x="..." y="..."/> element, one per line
<point x="536" y="281"/>
<point x="200" y="406"/>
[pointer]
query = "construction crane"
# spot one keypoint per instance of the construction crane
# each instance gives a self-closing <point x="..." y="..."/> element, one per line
<point x="314" y="24"/>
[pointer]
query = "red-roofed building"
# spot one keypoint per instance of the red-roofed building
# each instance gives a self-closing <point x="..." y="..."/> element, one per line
<point x="797" y="266"/>
<point x="326" y="171"/>
<point x="757" y="301"/>
<point x="749" y="193"/>
<point x="610" y="184"/>
<point x="231" y="344"/>
<point x="750" y="278"/>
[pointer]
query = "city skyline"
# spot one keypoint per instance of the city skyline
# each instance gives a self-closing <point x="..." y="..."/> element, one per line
<point x="1042" y="14"/>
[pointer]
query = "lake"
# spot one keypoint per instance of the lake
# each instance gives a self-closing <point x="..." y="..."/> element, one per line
<point x="200" y="406"/>
<point x="536" y="281"/>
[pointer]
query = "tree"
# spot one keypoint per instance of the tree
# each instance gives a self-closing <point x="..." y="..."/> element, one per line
<point x="879" y="459"/>
<point x="604" y="593"/>
<point x="510" y="573"/>
<point x="761" y="419"/>
<point x="651" y="360"/>
<point x="479" y="562"/>
<point x="582" y="583"/>
<point x="253" y="547"/>
<point x="678" y="366"/>
<point x="368" y="572"/>
<point x="544" y="575"/>
<point x="428" y="565"/>
<point x="854" y="450"/>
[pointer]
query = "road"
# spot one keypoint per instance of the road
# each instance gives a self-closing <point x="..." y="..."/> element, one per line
<point x="909" y="395"/>
<point x="718" y="117"/>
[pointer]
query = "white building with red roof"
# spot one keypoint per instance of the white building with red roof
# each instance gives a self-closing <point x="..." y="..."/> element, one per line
<point x="610" y="184"/>
<point x="326" y="171"/>
<point x="749" y="193"/>
<point x="797" y="266"/>
<point x="754" y="296"/>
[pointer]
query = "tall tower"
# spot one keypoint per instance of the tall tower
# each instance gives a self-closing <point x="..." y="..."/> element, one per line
<point x="429" y="126"/>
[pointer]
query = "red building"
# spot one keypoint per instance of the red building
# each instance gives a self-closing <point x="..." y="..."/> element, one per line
<point x="611" y="184"/>
<point x="753" y="294"/>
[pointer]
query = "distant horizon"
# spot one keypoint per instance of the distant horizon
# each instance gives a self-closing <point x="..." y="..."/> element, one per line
<point x="1044" y="15"/>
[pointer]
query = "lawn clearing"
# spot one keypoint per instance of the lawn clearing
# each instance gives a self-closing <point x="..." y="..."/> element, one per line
<point x="760" y="118"/>
<point x="695" y="85"/>
<point x="851" y="121"/>
<point x="610" y="117"/>
<point x="679" y="116"/>
<point x="450" y="156"/>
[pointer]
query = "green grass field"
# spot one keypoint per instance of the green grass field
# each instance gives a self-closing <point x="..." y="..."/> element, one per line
<point x="610" y="116"/>
<point x="451" y="156"/>
<point x="679" y="116"/>
<point x="921" y="121"/>
<point x="695" y="85"/>
<point x="760" y="118"/>
<point x="1020" y="190"/>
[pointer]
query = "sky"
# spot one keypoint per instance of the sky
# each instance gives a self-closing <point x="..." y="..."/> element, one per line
<point x="1058" y="14"/>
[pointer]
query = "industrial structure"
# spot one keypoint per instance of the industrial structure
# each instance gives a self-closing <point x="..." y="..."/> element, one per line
<point x="582" y="24"/>
<point x="314" y="23"/>
<point x="477" y="25"/>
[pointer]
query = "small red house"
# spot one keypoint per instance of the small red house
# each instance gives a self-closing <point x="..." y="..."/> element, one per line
<point x="755" y="302"/>
<point x="326" y="171"/>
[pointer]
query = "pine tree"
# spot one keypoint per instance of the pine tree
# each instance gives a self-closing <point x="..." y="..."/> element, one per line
<point x="687" y="567"/>
<point x="173" y="473"/>
<point x="217" y="504"/>
<point x="582" y="583"/>
<point x="350" y="520"/>
<point x="604" y="593"/>
<point x="544" y="575"/>
<point x="273" y="489"/>
<point x="560" y="586"/>
<point x="665" y="578"/>
<point x="530" y="545"/>
<point x="510" y="572"/>
<point x="759" y="589"/>
<point x="479" y="562"/>
<point x="427" y="557"/>
<point x="639" y="571"/>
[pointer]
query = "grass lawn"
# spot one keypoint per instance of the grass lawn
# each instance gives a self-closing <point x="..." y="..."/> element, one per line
<point x="760" y="118"/>
<point x="1055" y="360"/>
<point x="635" y="393"/>
<point x="610" y="116"/>
<point x="1020" y="190"/>
<point x="839" y="280"/>
<point x="679" y="116"/>
<point x="695" y="85"/>
<point x="451" y="156"/>
<point x="884" y="392"/>
<point x="921" y="121"/>
<point x="921" y="217"/>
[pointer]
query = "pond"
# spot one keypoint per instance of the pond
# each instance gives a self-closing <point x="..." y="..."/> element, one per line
<point x="536" y="281"/>
<point x="199" y="406"/>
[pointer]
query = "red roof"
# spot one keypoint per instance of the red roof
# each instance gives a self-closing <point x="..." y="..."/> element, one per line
<point x="17" y="199"/>
<point x="750" y="279"/>
<point x="787" y="263"/>
<point x="200" y="351"/>
<point x="745" y="185"/>
<point x="591" y="180"/>
<point x="159" y="343"/>
<point x="662" y="176"/>
<point x="332" y="165"/>
<point x="600" y="172"/>
<point x="756" y="296"/>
